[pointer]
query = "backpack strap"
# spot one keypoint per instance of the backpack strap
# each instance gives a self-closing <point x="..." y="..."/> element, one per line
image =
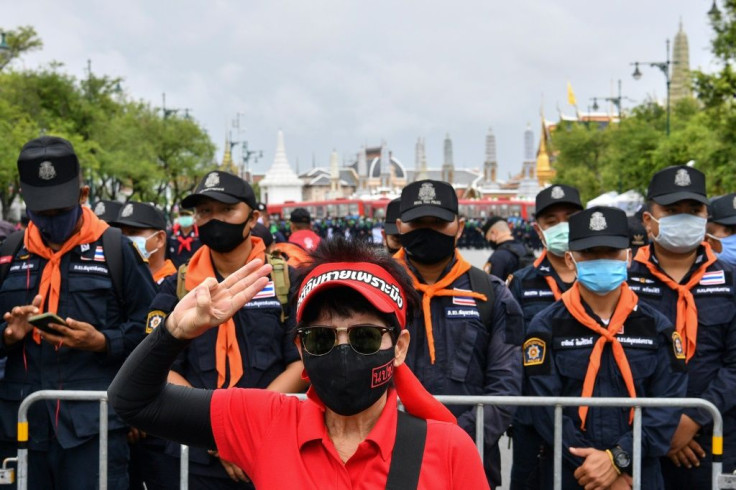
<point x="181" y="277"/>
<point x="112" y="245"/>
<point x="480" y="282"/>
<point x="8" y="251"/>
<point x="406" y="458"/>
<point x="281" y="281"/>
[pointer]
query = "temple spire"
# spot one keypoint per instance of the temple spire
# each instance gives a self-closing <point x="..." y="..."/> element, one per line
<point x="448" y="166"/>
<point x="680" y="88"/>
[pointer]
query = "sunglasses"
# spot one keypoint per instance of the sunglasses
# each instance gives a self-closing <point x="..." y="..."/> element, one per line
<point x="318" y="340"/>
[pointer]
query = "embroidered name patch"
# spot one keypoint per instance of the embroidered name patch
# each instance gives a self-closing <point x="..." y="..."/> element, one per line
<point x="89" y="268"/>
<point x="538" y="293"/>
<point x="534" y="351"/>
<point x="461" y="313"/>
<point x="154" y="320"/>
<point x="263" y="304"/>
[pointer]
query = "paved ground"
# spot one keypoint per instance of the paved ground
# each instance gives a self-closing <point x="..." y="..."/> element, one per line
<point x="478" y="258"/>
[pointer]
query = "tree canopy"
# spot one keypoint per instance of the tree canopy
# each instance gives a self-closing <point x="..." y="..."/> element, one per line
<point x="625" y="155"/>
<point x="127" y="148"/>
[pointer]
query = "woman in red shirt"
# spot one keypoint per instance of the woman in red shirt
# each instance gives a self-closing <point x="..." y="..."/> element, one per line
<point x="351" y="314"/>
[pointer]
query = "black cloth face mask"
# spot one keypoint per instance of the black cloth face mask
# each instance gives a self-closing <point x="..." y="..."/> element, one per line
<point x="427" y="246"/>
<point x="56" y="229"/>
<point x="222" y="237"/>
<point x="348" y="382"/>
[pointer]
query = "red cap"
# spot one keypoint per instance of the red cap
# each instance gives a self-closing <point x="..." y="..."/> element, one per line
<point x="372" y="281"/>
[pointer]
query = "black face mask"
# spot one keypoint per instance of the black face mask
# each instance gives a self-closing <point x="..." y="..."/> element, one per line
<point x="56" y="229"/>
<point x="427" y="246"/>
<point x="348" y="382"/>
<point x="222" y="237"/>
<point x="391" y="251"/>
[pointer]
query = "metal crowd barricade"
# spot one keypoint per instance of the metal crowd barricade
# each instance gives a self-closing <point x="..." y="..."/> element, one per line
<point x="559" y="402"/>
<point x="479" y="401"/>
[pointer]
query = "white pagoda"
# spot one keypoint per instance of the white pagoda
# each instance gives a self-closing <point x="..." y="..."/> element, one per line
<point x="281" y="183"/>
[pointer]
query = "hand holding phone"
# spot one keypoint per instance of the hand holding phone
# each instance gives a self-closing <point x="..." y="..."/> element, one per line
<point x="43" y="321"/>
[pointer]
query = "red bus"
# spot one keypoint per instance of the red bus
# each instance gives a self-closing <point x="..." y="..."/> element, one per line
<point x="332" y="208"/>
<point x="345" y="207"/>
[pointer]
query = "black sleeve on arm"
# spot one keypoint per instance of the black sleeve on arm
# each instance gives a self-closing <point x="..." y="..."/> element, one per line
<point x="141" y="395"/>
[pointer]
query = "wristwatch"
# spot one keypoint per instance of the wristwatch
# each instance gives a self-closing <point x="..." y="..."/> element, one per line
<point x="621" y="459"/>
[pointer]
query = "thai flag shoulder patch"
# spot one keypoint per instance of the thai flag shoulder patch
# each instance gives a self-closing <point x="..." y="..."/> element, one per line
<point x="269" y="291"/>
<point x="463" y="300"/>
<point x="712" y="278"/>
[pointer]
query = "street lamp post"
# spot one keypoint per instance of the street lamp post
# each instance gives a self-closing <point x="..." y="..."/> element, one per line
<point x="664" y="66"/>
<point x="617" y="101"/>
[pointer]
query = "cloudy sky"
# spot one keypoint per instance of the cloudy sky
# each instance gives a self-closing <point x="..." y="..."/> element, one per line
<point x="337" y="74"/>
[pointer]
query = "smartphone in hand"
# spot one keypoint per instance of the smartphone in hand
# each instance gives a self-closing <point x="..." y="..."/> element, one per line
<point x="43" y="320"/>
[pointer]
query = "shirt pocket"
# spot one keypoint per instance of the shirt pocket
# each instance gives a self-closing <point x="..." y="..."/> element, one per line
<point x="88" y="298"/>
<point x="572" y="364"/>
<point x="266" y="333"/>
<point x="643" y="363"/>
<point x="18" y="289"/>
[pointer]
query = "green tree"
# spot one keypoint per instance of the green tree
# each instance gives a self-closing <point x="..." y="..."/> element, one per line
<point x="19" y="41"/>
<point x="127" y="149"/>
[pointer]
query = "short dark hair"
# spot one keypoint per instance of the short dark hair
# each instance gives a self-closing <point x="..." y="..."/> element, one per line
<point x="343" y="301"/>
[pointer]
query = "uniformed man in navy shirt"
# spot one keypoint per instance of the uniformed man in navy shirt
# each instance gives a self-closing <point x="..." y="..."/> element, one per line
<point x="100" y="289"/>
<point x="680" y="276"/>
<point x="535" y="288"/>
<point x="599" y="340"/>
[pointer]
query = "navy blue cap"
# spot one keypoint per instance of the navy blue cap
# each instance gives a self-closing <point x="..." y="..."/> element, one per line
<point x="599" y="226"/>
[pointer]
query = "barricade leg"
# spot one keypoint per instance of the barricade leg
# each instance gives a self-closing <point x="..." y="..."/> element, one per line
<point x="479" y="419"/>
<point x="636" y="462"/>
<point x="558" y="447"/>
<point x="184" y="468"/>
<point x="103" y="444"/>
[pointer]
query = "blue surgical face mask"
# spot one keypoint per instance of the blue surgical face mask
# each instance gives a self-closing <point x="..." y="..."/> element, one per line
<point x="140" y="244"/>
<point x="728" y="252"/>
<point x="680" y="233"/>
<point x="556" y="238"/>
<point x="601" y="276"/>
<point x="56" y="229"/>
<point x="186" y="221"/>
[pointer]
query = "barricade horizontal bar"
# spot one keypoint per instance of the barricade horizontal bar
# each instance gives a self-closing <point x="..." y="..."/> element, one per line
<point x="480" y="401"/>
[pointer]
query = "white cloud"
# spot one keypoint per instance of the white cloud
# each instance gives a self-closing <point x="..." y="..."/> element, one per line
<point x="336" y="74"/>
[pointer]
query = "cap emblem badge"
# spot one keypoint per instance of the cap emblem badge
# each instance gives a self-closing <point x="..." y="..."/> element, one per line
<point x="46" y="171"/>
<point x="100" y="208"/>
<point x="734" y="202"/>
<point x="598" y="222"/>
<point x="212" y="180"/>
<point x="682" y="178"/>
<point x="557" y="192"/>
<point x="427" y="193"/>
<point x="127" y="210"/>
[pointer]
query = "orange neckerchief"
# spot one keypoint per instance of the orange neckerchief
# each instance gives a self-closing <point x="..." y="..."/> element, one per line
<point x="686" y="323"/>
<point x="165" y="271"/>
<point x="438" y="289"/>
<point x="227" y="352"/>
<point x="50" y="287"/>
<point x="626" y="304"/>
<point x="550" y="280"/>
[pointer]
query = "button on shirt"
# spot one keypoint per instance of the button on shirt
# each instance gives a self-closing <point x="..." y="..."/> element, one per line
<point x="281" y="442"/>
